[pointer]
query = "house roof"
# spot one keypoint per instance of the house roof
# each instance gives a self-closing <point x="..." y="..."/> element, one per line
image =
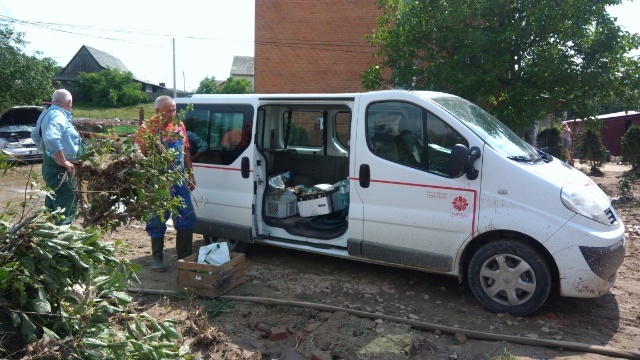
<point x="106" y="60"/>
<point x="611" y="115"/>
<point x="242" y="65"/>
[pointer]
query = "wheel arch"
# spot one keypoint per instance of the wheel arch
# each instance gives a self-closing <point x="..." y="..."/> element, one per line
<point x="474" y="245"/>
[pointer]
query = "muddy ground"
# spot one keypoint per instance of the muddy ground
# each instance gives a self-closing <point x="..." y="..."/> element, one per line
<point x="288" y="332"/>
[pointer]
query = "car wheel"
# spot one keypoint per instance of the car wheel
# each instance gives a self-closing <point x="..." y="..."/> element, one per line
<point x="234" y="245"/>
<point x="509" y="276"/>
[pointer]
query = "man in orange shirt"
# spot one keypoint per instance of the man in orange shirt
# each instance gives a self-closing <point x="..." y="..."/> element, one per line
<point x="237" y="139"/>
<point x="175" y="138"/>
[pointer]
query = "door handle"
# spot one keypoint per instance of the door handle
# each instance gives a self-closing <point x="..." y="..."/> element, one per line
<point x="365" y="176"/>
<point x="244" y="167"/>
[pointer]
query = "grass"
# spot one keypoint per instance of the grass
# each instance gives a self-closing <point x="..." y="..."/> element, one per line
<point x="122" y="113"/>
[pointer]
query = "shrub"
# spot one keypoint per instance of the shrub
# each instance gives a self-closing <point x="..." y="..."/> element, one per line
<point x="110" y="88"/>
<point x="631" y="146"/>
<point x="591" y="149"/>
<point x="550" y="141"/>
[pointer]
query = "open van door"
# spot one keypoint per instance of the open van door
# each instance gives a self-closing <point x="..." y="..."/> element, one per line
<point x="224" y="173"/>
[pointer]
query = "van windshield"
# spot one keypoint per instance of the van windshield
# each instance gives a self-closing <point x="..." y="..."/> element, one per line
<point x="488" y="128"/>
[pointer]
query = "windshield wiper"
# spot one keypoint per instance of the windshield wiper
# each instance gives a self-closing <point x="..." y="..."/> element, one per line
<point x="520" y="158"/>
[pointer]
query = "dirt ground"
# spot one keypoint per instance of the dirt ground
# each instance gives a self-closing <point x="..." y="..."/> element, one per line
<point x="288" y="332"/>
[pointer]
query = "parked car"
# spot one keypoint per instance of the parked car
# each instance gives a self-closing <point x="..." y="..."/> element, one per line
<point x="16" y="124"/>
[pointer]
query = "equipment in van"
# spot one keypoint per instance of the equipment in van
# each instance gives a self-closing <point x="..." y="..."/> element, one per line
<point x="421" y="180"/>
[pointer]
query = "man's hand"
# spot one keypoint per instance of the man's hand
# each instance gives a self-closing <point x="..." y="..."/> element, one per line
<point x="191" y="181"/>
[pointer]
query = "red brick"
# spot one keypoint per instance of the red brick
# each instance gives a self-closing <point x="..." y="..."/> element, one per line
<point x="304" y="46"/>
<point x="278" y="333"/>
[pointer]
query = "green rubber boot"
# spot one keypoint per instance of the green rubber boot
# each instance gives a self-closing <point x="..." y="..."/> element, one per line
<point x="184" y="243"/>
<point x="157" y="248"/>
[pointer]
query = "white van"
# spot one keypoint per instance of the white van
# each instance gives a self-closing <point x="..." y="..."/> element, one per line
<point x="413" y="179"/>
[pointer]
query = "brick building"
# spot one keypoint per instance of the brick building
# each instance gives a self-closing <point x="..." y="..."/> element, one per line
<point x="304" y="46"/>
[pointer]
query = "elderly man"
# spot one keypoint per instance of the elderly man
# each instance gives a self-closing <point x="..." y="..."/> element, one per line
<point x="62" y="144"/>
<point x="176" y="138"/>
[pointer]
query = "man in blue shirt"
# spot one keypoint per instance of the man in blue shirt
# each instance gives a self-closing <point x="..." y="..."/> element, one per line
<point x="62" y="144"/>
<point x="197" y="146"/>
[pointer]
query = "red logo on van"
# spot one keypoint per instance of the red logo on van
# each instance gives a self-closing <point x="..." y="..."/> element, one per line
<point x="460" y="203"/>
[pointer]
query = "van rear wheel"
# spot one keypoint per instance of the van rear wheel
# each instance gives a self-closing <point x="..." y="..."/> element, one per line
<point x="509" y="276"/>
<point x="234" y="245"/>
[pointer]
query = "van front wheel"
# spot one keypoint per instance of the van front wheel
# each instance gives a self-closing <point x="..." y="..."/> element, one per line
<point x="509" y="276"/>
<point x="234" y="245"/>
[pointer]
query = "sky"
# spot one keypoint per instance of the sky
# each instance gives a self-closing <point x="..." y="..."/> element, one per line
<point x="208" y="34"/>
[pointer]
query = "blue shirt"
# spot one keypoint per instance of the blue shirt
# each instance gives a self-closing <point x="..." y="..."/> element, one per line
<point x="196" y="144"/>
<point x="57" y="132"/>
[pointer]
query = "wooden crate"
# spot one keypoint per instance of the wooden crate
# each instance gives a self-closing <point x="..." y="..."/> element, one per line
<point x="210" y="280"/>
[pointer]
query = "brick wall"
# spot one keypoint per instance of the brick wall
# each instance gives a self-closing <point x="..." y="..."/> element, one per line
<point x="304" y="46"/>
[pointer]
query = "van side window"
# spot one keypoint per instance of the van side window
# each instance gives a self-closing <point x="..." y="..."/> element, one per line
<point x="223" y="131"/>
<point x="409" y="135"/>
<point x="304" y="129"/>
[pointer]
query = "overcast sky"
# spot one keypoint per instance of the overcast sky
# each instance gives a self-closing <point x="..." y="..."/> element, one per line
<point x="208" y="34"/>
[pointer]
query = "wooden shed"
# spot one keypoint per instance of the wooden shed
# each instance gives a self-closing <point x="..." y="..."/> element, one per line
<point x="88" y="60"/>
<point x="614" y="127"/>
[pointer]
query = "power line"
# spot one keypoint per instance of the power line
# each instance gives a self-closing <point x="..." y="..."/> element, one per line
<point x="327" y="45"/>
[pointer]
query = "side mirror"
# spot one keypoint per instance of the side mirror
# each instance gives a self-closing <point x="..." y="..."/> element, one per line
<point x="461" y="161"/>
<point x="457" y="160"/>
<point x="474" y="154"/>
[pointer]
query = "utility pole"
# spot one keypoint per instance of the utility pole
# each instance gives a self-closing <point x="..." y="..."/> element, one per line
<point x="174" y="68"/>
<point x="184" y="82"/>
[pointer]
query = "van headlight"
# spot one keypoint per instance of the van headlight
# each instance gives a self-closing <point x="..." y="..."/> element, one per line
<point x="591" y="204"/>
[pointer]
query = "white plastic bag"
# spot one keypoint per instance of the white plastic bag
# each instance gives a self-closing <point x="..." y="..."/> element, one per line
<point x="214" y="254"/>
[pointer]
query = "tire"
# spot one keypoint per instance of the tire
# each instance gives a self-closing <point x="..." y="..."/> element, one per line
<point x="234" y="245"/>
<point x="509" y="276"/>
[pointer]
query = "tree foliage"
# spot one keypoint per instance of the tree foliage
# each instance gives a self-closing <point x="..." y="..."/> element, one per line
<point x="231" y="86"/>
<point x="631" y="146"/>
<point x="519" y="59"/>
<point x="24" y="79"/>
<point x="110" y="88"/>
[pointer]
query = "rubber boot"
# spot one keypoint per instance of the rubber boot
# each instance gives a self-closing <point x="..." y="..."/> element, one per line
<point x="184" y="243"/>
<point x="157" y="248"/>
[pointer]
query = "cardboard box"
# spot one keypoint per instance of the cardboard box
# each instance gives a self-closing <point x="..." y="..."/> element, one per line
<point x="210" y="280"/>
<point x="314" y="207"/>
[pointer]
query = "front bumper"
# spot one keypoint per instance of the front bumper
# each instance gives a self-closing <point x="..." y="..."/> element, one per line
<point x="23" y="155"/>
<point x="588" y="256"/>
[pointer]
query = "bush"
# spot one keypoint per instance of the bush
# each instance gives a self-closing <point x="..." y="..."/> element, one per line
<point x="631" y="146"/>
<point x="550" y="141"/>
<point x="110" y="88"/>
<point x="591" y="150"/>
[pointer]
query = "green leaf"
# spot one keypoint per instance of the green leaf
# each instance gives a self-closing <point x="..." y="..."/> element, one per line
<point x="184" y="350"/>
<point x="49" y="334"/>
<point x="41" y="306"/>
<point x="27" y="329"/>
<point x="169" y="330"/>
<point x="15" y="318"/>
<point x="117" y="346"/>
<point x="93" y="343"/>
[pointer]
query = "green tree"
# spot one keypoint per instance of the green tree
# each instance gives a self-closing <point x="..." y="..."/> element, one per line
<point x="631" y="146"/>
<point x="24" y="79"/>
<point x="520" y="59"/>
<point x="231" y="86"/>
<point x="110" y="88"/>
<point x="207" y="86"/>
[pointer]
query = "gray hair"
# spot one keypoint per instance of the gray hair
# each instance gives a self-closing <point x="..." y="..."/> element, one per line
<point x="61" y="96"/>
<point x="163" y="99"/>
